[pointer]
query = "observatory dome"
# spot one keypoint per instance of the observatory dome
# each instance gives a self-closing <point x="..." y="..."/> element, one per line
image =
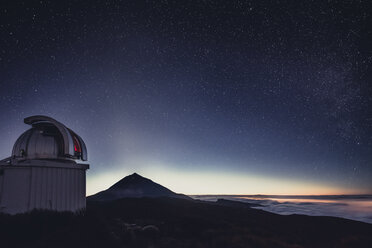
<point x="48" y="139"/>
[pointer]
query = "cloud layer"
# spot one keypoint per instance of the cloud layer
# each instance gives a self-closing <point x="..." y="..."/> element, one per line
<point x="355" y="208"/>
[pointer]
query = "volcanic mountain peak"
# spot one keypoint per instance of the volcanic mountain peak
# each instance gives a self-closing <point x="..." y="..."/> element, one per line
<point x="135" y="186"/>
<point x="131" y="180"/>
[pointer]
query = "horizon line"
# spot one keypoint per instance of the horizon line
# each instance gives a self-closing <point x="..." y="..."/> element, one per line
<point x="370" y="194"/>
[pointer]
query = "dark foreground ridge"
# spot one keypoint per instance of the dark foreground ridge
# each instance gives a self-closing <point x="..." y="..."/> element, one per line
<point x="135" y="186"/>
<point x="159" y="221"/>
<point x="172" y="222"/>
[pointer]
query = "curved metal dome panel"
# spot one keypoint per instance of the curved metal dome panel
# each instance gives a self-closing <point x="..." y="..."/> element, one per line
<point x="49" y="139"/>
<point x="21" y="144"/>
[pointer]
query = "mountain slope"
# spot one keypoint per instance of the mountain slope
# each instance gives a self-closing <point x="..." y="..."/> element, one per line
<point x="135" y="186"/>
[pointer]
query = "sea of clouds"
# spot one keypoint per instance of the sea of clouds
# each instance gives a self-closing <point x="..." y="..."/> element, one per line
<point x="350" y="207"/>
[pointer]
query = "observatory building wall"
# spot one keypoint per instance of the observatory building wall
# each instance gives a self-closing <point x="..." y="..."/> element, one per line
<point x="38" y="186"/>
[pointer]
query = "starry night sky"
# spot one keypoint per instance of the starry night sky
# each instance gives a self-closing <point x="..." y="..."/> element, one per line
<point x="245" y="97"/>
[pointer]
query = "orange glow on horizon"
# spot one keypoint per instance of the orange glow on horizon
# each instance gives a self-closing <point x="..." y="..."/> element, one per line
<point x="219" y="183"/>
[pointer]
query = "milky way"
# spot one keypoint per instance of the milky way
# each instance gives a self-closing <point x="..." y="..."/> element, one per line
<point x="236" y="90"/>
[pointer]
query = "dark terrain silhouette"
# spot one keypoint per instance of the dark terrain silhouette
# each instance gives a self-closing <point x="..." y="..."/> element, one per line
<point x="135" y="186"/>
<point x="175" y="222"/>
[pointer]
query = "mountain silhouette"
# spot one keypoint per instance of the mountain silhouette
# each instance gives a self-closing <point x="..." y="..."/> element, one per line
<point x="135" y="186"/>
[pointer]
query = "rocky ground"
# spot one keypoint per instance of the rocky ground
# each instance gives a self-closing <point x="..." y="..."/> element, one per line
<point x="169" y="222"/>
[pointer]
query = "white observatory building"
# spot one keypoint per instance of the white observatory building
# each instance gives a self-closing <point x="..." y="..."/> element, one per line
<point x="46" y="170"/>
